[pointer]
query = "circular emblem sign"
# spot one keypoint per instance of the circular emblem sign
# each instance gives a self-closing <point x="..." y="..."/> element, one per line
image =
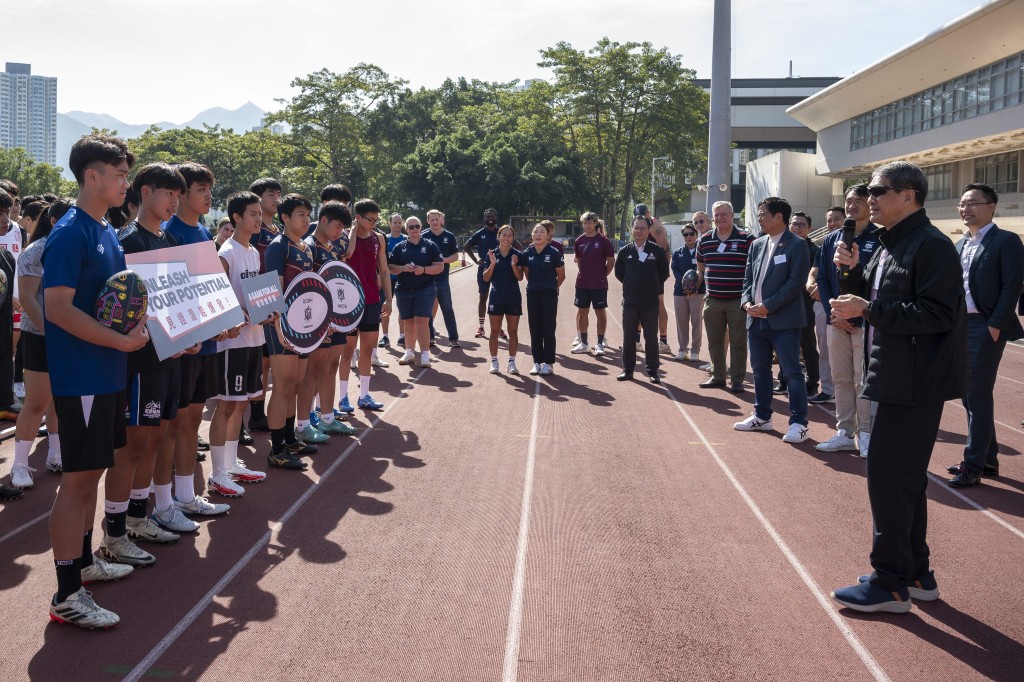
<point x="347" y="298"/>
<point x="307" y="317"/>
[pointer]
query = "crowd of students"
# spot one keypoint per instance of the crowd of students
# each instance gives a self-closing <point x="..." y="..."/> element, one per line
<point x="113" y="406"/>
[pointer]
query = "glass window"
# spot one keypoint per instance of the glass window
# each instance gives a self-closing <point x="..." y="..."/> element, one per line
<point x="999" y="170"/>
<point x="940" y="181"/>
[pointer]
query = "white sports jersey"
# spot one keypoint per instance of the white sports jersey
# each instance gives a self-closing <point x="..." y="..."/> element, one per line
<point x="243" y="262"/>
<point x="12" y="242"/>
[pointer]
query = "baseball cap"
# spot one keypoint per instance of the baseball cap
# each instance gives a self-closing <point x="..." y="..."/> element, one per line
<point x="639" y="210"/>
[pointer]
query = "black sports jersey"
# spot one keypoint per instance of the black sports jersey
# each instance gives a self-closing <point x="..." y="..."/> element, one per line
<point x="287" y="258"/>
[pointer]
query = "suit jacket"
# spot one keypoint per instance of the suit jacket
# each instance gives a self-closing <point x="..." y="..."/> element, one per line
<point x="996" y="278"/>
<point x="784" y="280"/>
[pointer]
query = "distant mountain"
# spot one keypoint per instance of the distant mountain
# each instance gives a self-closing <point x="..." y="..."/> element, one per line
<point x="73" y="124"/>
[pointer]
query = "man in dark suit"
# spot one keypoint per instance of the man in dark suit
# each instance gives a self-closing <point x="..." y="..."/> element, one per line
<point x="773" y="287"/>
<point x="993" y="268"/>
<point x="642" y="267"/>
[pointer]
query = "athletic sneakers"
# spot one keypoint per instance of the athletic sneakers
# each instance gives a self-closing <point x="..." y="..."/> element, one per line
<point x="840" y="441"/>
<point x="664" y="348"/>
<point x="599" y="349"/>
<point x="285" y="460"/>
<point x="223" y="484"/>
<point x="821" y="398"/>
<point x="863" y="440"/>
<point x="512" y="369"/>
<point x="54" y="465"/>
<point x="384" y="342"/>
<point x="345" y="407"/>
<point x="302" y="448"/>
<point x="242" y="474"/>
<point x="797" y="433"/>
<point x="479" y="333"/>
<point x="924" y="588"/>
<point x="494" y="367"/>
<point x="309" y="434"/>
<point x="535" y="370"/>
<point x="101" y="570"/>
<point x="867" y="598"/>
<point x="407" y="357"/>
<point x="121" y="550"/>
<point x="79" y="609"/>
<point x="173" y="519"/>
<point x="146" y="529"/>
<point x="367" y="402"/>
<point x="546" y="369"/>
<point x="682" y="356"/>
<point x="752" y="423"/>
<point x="19" y="390"/>
<point x="202" y="506"/>
<point x="706" y="367"/>
<point x="580" y="348"/>
<point x="426" y="361"/>
<point x="9" y="494"/>
<point x="336" y="428"/>
<point x="401" y="340"/>
<point x="454" y="344"/>
<point x="377" y="362"/>
<point x="21" y="477"/>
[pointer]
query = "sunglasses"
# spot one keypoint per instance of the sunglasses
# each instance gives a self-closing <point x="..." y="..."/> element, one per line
<point x="881" y="190"/>
<point x="689" y="234"/>
<point x="699" y="222"/>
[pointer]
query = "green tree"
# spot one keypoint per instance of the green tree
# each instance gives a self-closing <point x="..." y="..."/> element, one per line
<point x="33" y="178"/>
<point x="621" y="104"/>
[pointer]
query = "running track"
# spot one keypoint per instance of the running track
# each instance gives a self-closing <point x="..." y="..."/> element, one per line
<point x="569" y="528"/>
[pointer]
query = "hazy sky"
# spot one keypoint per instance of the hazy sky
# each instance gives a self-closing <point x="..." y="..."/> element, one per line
<point x="144" y="61"/>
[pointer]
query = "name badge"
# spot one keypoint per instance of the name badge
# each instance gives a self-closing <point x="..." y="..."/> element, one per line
<point x="721" y="247"/>
<point x="642" y="255"/>
<point x="779" y="260"/>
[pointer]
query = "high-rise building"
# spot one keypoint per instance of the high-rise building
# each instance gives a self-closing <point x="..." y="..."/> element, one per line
<point x="28" y="112"/>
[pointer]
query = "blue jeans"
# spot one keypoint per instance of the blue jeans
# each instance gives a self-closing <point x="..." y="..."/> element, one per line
<point x="444" y="302"/>
<point x="761" y="341"/>
<point x="983" y="356"/>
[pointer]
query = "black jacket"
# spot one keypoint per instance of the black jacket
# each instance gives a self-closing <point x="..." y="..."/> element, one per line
<point x="918" y="353"/>
<point x="996" y="279"/>
<point x="642" y="281"/>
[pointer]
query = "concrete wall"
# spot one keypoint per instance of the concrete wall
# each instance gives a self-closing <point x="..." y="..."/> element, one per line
<point x="789" y="175"/>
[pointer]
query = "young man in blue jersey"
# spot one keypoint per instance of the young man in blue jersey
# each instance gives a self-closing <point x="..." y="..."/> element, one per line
<point x="88" y="365"/>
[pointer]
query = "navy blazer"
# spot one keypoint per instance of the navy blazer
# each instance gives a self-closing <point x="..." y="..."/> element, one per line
<point x="784" y="281"/>
<point x="996" y="279"/>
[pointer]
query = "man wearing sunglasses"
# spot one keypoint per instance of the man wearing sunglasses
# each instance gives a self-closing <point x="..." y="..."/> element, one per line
<point x="911" y="295"/>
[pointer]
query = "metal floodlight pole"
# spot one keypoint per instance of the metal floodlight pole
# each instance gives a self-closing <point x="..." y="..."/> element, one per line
<point x="654" y="161"/>
<point x="719" y="124"/>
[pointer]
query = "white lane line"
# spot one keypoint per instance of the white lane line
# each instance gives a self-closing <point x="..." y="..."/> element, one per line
<point x="1005" y="426"/>
<point x="510" y="669"/>
<point x="178" y="630"/>
<point x="823" y="600"/>
<point x="24" y="526"/>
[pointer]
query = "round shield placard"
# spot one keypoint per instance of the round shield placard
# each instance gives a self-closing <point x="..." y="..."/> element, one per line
<point x="307" y="317"/>
<point x="347" y="297"/>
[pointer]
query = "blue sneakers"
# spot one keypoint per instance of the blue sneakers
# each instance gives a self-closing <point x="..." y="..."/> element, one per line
<point x="345" y="407"/>
<point x="367" y="402"/>
<point x="867" y="598"/>
<point x="924" y="588"/>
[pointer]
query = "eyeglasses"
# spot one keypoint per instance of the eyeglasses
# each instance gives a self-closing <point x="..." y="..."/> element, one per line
<point x="881" y="190"/>
<point x="972" y="204"/>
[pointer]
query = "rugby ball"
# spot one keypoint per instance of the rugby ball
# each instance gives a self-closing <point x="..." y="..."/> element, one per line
<point x="122" y="301"/>
<point x="690" y="282"/>
<point x="347" y="297"/>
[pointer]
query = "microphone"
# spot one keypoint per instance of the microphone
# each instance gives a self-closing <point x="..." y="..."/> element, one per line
<point x="849" y="227"/>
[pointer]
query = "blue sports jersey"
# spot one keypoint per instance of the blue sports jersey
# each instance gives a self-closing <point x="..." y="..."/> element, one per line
<point x="425" y="253"/>
<point x="184" y="233"/>
<point x="541" y="274"/>
<point x="288" y="259"/>
<point x="446" y="243"/>
<point x="82" y="254"/>
<point x="484" y="240"/>
<point x="392" y="242"/>
<point x="504" y="285"/>
<point x="324" y="254"/>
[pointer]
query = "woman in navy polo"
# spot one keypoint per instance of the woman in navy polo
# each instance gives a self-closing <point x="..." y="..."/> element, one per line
<point x="545" y="272"/>
<point x="506" y="300"/>
<point x="415" y="261"/>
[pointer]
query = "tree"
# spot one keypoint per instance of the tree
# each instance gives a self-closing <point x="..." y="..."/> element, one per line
<point x="33" y="178"/>
<point x="623" y="104"/>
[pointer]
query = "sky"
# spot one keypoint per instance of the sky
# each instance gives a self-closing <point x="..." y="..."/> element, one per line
<point x="143" y="61"/>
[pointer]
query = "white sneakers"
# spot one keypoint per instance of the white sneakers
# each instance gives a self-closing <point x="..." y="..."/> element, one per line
<point x="494" y="367"/>
<point x="535" y="370"/>
<point x="864" y="438"/>
<point x="840" y="441"/>
<point x="21" y="477"/>
<point x="407" y="357"/>
<point x="752" y="423"/>
<point x="580" y="348"/>
<point x="682" y="356"/>
<point x="797" y="433"/>
<point x="599" y="349"/>
<point x="546" y="369"/>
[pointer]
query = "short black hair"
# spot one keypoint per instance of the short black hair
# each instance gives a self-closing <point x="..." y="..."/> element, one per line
<point x="364" y="206"/>
<point x="55" y="212"/>
<point x="159" y="176"/>
<point x="96" y="148"/>
<point x="28" y="200"/>
<point x="990" y="194"/>
<point x="6" y="201"/>
<point x="292" y="202"/>
<point x="336" y="210"/>
<point x="907" y="176"/>
<point x="775" y="206"/>
<point x="195" y="172"/>
<point x="238" y="202"/>
<point x="860" y="190"/>
<point x="9" y="187"/>
<point x="34" y="209"/>
<point x="837" y="208"/>
<point x="49" y="197"/>
<point x="258" y="187"/>
<point x="804" y="216"/>
<point x="336" y="192"/>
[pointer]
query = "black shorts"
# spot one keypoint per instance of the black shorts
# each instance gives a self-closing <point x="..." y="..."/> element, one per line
<point x="240" y="373"/>
<point x="152" y="395"/>
<point x="512" y="309"/>
<point x="587" y="297"/>
<point x="334" y="340"/>
<point x="482" y="286"/>
<point x="371" y="317"/>
<point x="89" y="444"/>
<point x="34" y="352"/>
<point x="198" y="379"/>
<point x="273" y="345"/>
